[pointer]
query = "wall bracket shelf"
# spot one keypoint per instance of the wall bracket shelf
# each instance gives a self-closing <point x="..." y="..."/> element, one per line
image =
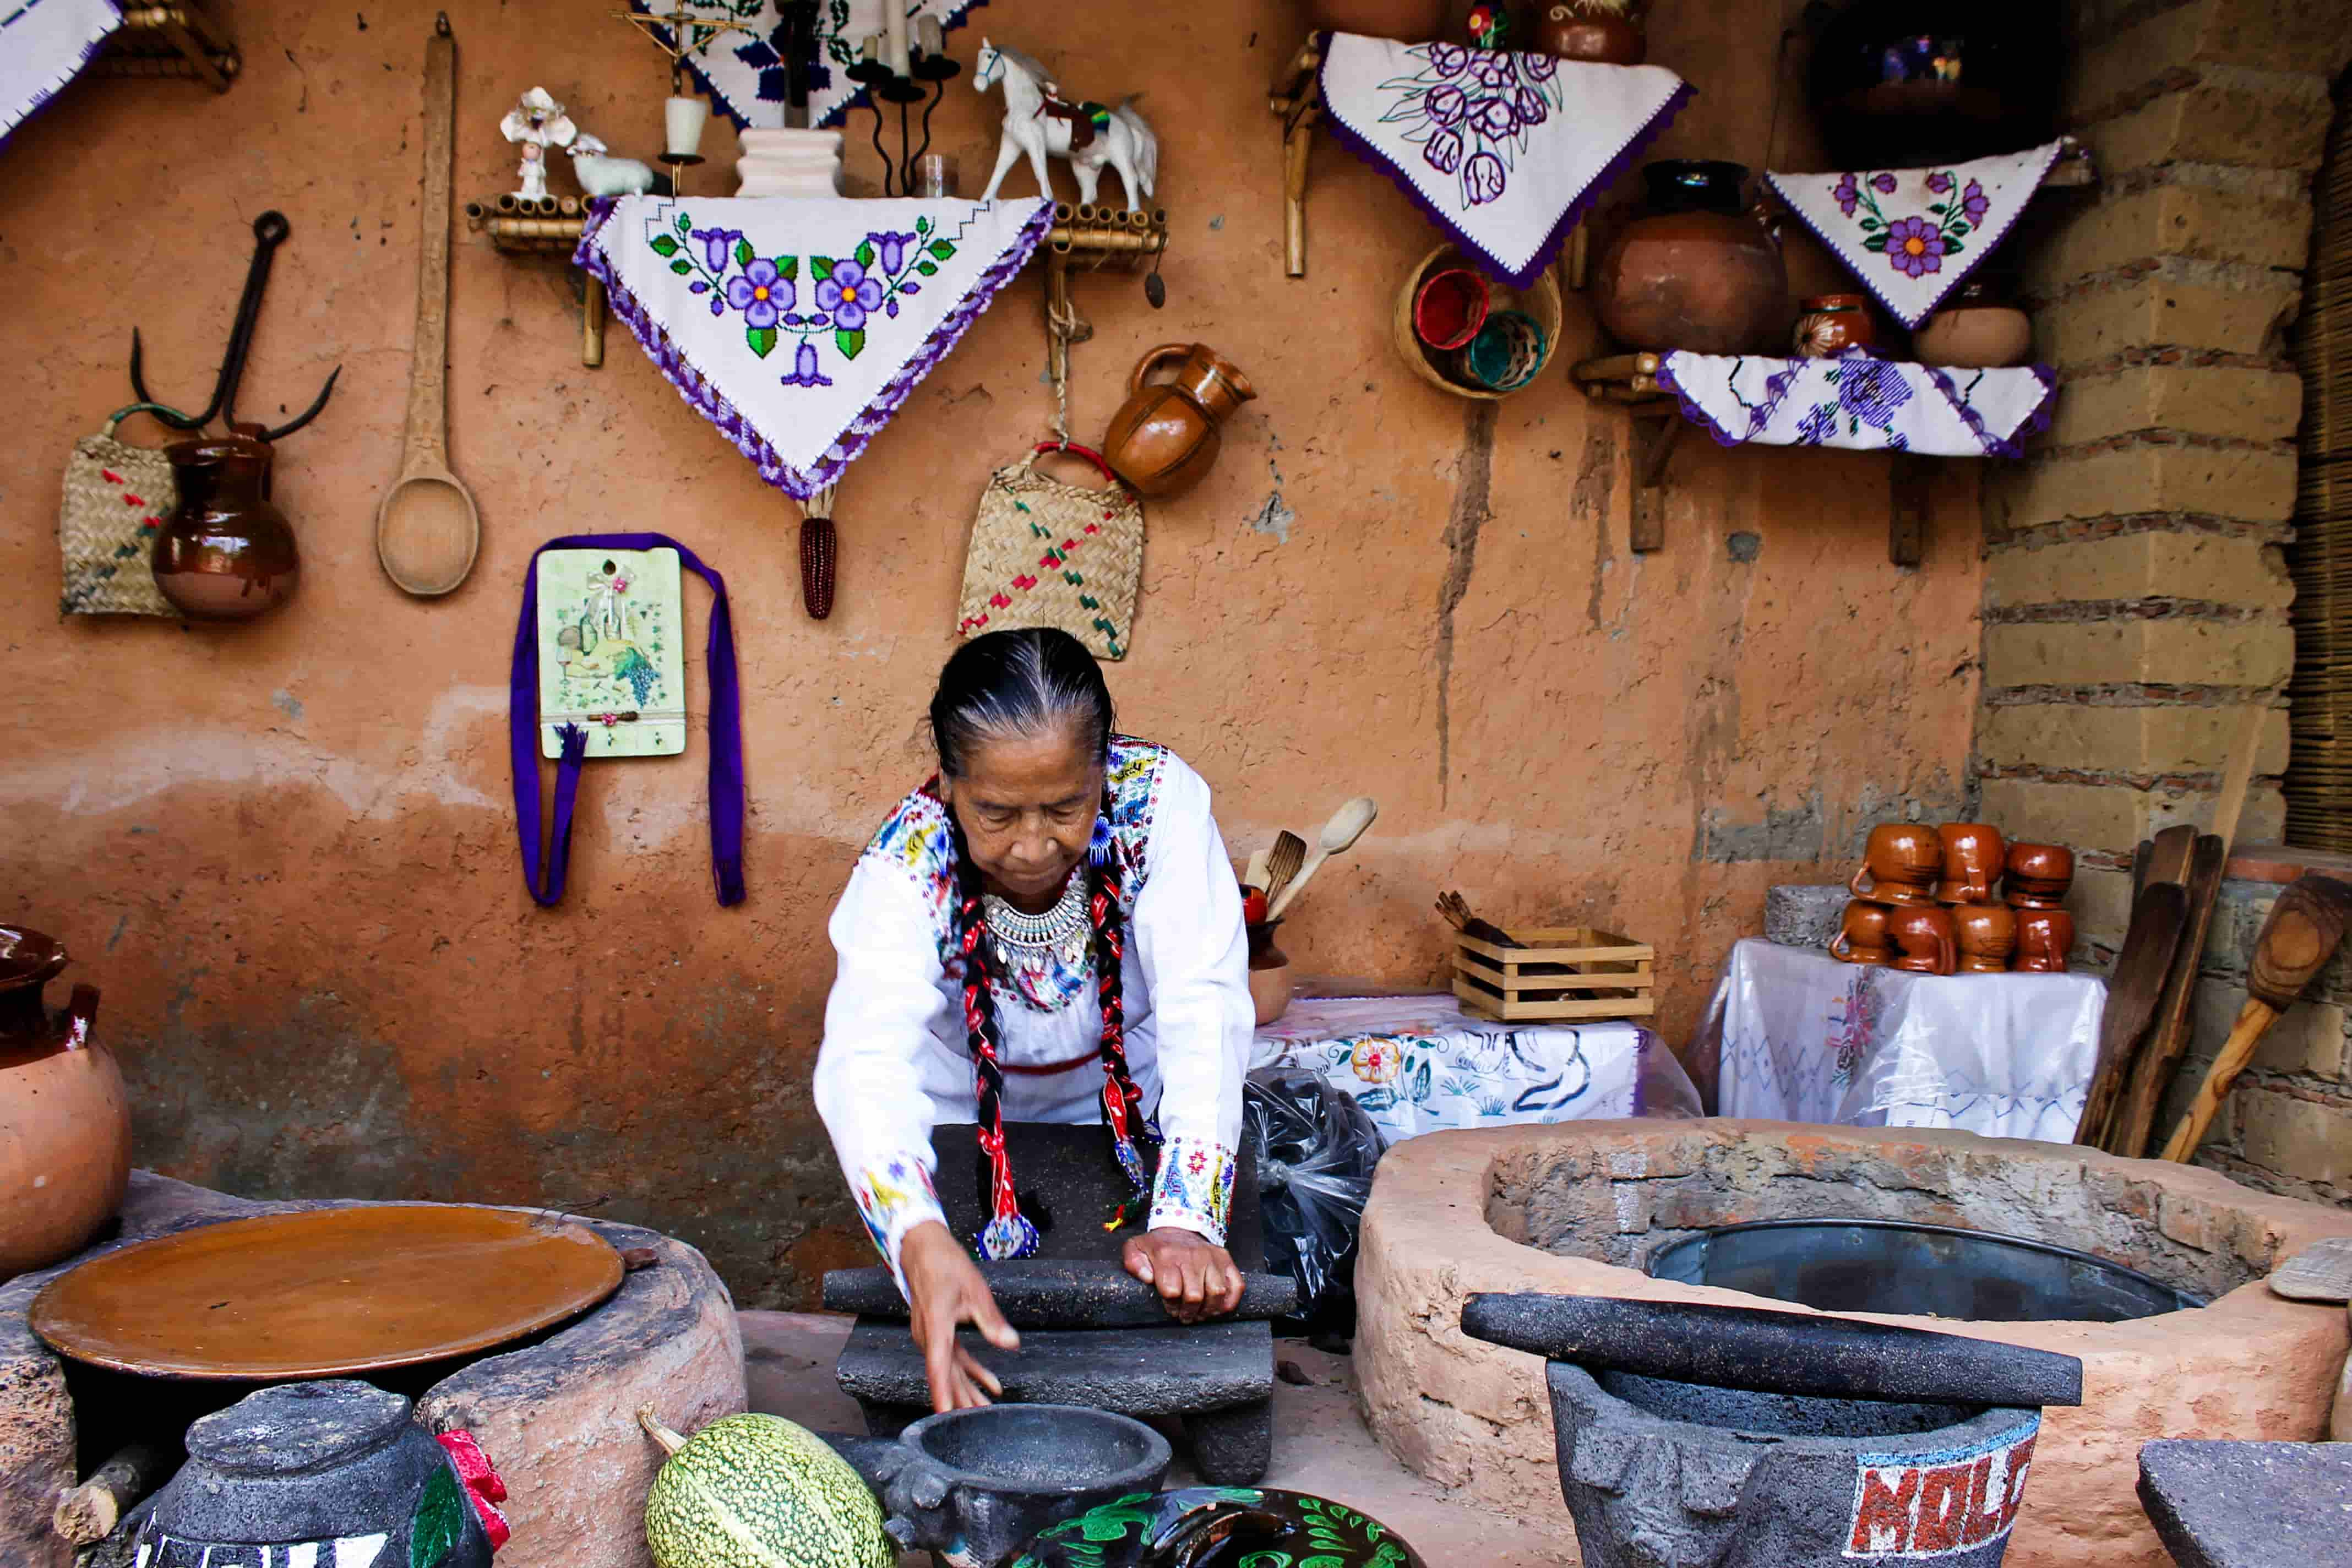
<point x="1086" y="238"/>
<point x="549" y="226"/>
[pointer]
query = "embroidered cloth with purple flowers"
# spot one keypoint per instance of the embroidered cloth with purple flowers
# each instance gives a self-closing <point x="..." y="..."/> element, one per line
<point x="1860" y="402"/>
<point x="1913" y="235"/>
<point x="1503" y="150"/>
<point x="798" y="325"/>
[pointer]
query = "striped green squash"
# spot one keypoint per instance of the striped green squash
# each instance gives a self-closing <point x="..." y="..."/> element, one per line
<point x="757" y="1492"/>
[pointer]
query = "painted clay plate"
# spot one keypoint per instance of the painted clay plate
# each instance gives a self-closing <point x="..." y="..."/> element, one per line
<point x="326" y="1293"/>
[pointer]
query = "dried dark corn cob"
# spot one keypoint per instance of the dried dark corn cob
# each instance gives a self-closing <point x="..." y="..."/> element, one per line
<point x="818" y="549"/>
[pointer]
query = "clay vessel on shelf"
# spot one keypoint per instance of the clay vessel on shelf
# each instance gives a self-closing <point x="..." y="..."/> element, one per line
<point x="1862" y="936"/>
<point x="2038" y="875"/>
<point x="1897" y="84"/>
<point x="65" y="1120"/>
<point x="1410" y="21"/>
<point x="1829" y="324"/>
<point x="227" y="553"/>
<point x="1974" y="857"/>
<point x="2044" y="940"/>
<point x="1981" y="328"/>
<point x="1901" y="865"/>
<point x="1928" y="937"/>
<point x="1987" y="935"/>
<point x="1165" y="438"/>
<point x="1598" y="32"/>
<point x="1696" y="270"/>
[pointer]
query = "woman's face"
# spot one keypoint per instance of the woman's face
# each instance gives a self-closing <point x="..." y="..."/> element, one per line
<point x="1028" y="805"/>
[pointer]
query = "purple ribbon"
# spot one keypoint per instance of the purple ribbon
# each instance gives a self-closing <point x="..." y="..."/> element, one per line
<point x="544" y="874"/>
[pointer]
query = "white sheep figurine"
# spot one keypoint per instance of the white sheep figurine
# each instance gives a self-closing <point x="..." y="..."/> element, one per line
<point x="601" y="175"/>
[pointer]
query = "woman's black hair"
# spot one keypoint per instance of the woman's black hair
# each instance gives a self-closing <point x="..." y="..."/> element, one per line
<point x="1018" y="683"/>
<point x="1021" y="683"/>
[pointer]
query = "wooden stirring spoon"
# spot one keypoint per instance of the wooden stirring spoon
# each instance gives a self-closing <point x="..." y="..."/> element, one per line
<point x="427" y="529"/>
<point x="1339" y="835"/>
<point x="1281" y="862"/>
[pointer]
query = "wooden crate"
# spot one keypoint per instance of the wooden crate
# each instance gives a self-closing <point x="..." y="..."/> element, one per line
<point x="1561" y="973"/>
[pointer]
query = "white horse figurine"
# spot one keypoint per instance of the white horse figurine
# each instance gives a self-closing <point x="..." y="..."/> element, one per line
<point x="1126" y="142"/>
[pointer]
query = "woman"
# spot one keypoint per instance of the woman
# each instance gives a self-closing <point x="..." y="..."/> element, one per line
<point x="1047" y="932"/>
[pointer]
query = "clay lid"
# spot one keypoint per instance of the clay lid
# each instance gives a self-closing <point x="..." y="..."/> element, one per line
<point x="298" y="1428"/>
<point x="28" y="958"/>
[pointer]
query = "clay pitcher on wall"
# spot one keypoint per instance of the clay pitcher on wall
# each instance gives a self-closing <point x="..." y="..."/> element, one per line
<point x="1696" y="270"/>
<point x="65" y="1120"/>
<point x="1165" y="438"/>
<point x="227" y="553"/>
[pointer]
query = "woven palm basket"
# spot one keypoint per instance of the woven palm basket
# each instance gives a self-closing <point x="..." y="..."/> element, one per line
<point x="1048" y="553"/>
<point x="116" y="498"/>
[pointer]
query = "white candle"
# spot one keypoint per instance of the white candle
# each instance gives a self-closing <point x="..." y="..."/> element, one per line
<point x="894" y="34"/>
<point x="684" y="118"/>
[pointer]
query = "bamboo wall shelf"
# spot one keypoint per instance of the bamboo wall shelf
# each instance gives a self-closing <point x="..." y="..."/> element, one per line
<point x="550" y="226"/>
<point x="181" y="41"/>
<point x="1086" y="238"/>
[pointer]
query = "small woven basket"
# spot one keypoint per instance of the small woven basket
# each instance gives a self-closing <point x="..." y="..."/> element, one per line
<point x="1540" y="301"/>
<point x="117" y="498"/>
<point x="1506" y="353"/>
<point x="1048" y="553"/>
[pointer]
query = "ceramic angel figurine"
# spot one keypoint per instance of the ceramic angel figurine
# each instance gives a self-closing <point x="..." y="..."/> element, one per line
<point x="601" y="175"/>
<point x="1038" y="121"/>
<point x="539" y="123"/>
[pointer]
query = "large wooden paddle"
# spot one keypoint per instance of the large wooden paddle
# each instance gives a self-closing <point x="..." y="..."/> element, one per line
<point x="2134" y="991"/>
<point x="2306" y="926"/>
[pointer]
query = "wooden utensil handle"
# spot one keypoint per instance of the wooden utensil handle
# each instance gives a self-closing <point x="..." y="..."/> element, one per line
<point x="1314" y="864"/>
<point x="428" y="403"/>
<point x="2254" y="1020"/>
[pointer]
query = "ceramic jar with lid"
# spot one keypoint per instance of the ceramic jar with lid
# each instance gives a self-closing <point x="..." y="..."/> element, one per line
<point x="1980" y="327"/>
<point x="65" y="1120"/>
<point x="1697" y="270"/>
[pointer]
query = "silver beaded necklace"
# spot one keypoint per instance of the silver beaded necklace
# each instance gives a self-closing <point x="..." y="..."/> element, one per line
<point x="1061" y="929"/>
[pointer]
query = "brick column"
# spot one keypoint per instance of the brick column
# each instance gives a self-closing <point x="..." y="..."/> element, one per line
<point x="2135" y="589"/>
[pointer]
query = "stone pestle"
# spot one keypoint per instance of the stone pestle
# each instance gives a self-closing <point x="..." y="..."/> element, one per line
<point x="1772" y="1353"/>
<point x="1047" y="1293"/>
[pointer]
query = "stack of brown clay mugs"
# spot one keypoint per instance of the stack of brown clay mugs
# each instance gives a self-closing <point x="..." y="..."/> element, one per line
<point x="1930" y="896"/>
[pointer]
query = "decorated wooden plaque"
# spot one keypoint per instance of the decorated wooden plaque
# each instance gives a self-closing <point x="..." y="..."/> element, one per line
<point x="610" y="623"/>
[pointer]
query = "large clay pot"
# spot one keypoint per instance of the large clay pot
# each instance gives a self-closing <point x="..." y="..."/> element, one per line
<point x="1164" y="438"/>
<point x="65" y="1121"/>
<point x="1596" y="33"/>
<point x="227" y="553"/>
<point x="1899" y="84"/>
<point x="1409" y="21"/>
<point x="1695" y="271"/>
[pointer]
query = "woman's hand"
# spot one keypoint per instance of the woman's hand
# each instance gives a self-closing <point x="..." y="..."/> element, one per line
<point x="944" y="1288"/>
<point x="1197" y="1279"/>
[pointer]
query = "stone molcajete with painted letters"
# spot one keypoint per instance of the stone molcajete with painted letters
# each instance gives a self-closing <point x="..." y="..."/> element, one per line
<point x="1702" y="1437"/>
<point x="324" y="1475"/>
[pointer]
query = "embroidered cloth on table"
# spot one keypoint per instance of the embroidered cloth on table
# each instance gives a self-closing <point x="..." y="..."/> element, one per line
<point x="1420" y="1063"/>
<point x="1505" y="152"/>
<point x="1793" y="1034"/>
<point x="1861" y="402"/>
<point x="44" y="44"/>
<point x="744" y="73"/>
<point x="798" y="325"/>
<point x="1913" y="235"/>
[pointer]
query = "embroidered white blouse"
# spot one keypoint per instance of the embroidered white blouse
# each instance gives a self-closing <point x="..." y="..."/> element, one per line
<point x="895" y="1064"/>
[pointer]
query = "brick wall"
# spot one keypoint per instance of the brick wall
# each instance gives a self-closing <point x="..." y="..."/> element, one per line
<point x="2136" y="588"/>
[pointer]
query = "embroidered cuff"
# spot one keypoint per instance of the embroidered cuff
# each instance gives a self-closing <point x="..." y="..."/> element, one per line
<point x="1195" y="1187"/>
<point x="893" y="1199"/>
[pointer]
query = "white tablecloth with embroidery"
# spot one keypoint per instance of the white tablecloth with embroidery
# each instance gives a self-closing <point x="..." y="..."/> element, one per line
<point x="1420" y="1063"/>
<point x="1793" y="1034"/>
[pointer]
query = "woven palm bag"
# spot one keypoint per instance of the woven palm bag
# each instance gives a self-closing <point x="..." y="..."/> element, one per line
<point x="116" y="497"/>
<point x="1046" y="552"/>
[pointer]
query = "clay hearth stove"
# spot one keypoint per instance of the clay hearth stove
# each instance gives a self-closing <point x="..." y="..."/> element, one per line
<point x="556" y="1413"/>
<point x="1590" y="1209"/>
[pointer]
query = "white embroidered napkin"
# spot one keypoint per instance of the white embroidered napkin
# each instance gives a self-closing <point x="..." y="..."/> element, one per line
<point x="43" y="44"/>
<point x="744" y="72"/>
<point x="1502" y="151"/>
<point x="799" y="325"/>
<point x="1860" y="403"/>
<point x="1913" y="235"/>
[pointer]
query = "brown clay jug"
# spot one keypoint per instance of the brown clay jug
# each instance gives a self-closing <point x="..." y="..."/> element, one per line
<point x="1695" y="271"/>
<point x="1974" y="857"/>
<point x="2044" y="939"/>
<point x="1862" y="935"/>
<point x="65" y="1120"/>
<point x="1987" y="934"/>
<point x="1902" y="861"/>
<point x="227" y="553"/>
<point x="1928" y="940"/>
<point x="1165" y="438"/>
<point x="1599" y="32"/>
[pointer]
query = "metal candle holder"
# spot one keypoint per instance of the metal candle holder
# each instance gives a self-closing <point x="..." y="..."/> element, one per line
<point x="928" y="62"/>
<point x="688" y="32"/>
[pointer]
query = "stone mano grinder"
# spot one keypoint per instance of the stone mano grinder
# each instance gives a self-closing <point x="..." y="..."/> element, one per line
<point x="1693" y="1436"/>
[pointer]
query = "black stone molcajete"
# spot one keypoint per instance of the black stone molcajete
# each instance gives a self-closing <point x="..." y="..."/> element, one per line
<point x="337" y="1467"/>
<point x="972" y="1486"/>
<point x="1219" y="1376"/>
<point x="2250" y="1505"/>
<point x="1221" y="1524"/>
<point x="1055" y="1293"/>
<point x="1773" y="1353"/>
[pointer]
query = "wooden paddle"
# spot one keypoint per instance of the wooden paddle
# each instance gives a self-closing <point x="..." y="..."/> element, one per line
<point x="2306" y="926"/>
<point x="2134" y="991"/>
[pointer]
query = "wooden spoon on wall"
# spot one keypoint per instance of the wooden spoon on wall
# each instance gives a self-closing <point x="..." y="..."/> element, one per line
<point x="427" y="529"/>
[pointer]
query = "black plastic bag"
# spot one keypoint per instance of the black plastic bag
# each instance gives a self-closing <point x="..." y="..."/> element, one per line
<point x="1317" y="1150"/>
